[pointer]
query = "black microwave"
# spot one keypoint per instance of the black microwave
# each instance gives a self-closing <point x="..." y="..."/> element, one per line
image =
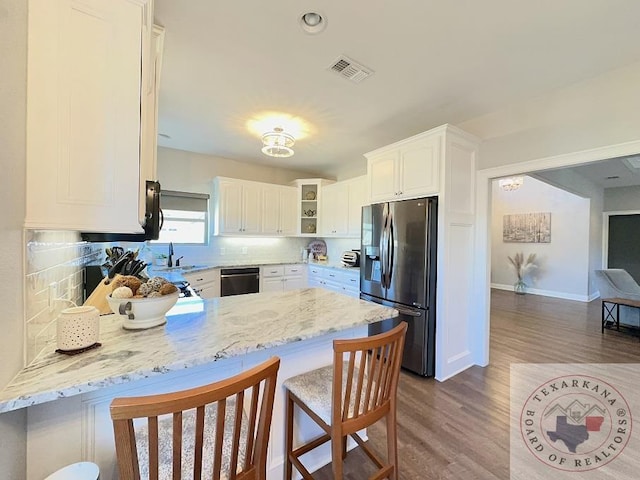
<point x="152" y="223"/>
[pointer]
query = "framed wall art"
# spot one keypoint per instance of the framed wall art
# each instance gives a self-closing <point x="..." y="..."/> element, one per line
<point x="527" y="228"/>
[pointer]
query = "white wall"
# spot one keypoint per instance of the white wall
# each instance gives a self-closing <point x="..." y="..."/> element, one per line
<point x="13" y="82"/>
<point x="575" y="183"/>
<point x="351" y="168"/>
<point x="193" y="172"/>
<point x="622" y="199"/>
<point x="601" y="111"/>
<point x="562" y="265"/>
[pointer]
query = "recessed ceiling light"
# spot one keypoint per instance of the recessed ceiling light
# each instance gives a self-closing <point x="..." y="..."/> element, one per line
<point x="313" y="22"/>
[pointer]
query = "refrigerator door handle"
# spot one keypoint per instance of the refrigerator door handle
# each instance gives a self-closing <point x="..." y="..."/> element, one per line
<point x="411" y="313"/>
<point x="384" y="252"/>
<point x="391" y="251"/>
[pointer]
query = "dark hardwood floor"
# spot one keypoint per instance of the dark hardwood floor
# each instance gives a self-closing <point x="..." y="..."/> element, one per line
<point x="459" y="429"/>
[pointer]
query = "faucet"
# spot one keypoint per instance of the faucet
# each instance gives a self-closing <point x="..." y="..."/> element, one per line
<point x="170" y="260"/>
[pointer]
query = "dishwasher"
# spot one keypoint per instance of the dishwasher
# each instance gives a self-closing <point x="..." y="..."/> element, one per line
<point x="238" y="281"/>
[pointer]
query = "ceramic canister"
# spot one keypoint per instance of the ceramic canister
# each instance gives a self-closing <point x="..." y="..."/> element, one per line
<point x="77" y="327"/>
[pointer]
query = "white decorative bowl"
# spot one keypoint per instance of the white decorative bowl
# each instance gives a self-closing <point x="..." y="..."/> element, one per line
<point x="139" y="313"/>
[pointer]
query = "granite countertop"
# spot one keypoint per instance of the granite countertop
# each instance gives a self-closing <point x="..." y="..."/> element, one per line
<point x="335" y="266"/>
<point x="197" y="332"/>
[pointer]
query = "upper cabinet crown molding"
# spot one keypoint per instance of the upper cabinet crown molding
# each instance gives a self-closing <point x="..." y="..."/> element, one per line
<point x="442" y="129"/>
<point x="84" y="81"/>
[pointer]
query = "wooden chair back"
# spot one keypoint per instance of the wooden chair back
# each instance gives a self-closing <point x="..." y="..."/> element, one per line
<point x="252" y="393"/>
<point x="365" y="378"/>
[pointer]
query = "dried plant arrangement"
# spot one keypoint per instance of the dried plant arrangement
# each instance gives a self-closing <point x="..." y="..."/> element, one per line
<point x="521" y="265"/>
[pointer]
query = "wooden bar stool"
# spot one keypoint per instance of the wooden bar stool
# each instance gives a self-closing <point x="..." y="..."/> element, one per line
<point x="217" y="431"/>
<point x="356" y="391"/>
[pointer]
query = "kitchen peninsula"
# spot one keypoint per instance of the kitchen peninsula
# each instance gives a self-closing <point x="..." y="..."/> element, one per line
<point x="203" y="341"/>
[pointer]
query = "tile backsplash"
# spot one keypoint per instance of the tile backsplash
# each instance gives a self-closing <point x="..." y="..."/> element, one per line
<point x="239" y="250"/>
<point x="54" y="266"/>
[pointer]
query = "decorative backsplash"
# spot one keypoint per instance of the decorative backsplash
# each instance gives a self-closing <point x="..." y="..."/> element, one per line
<point x="54" y="267"/>
<point x="239" y="250"/>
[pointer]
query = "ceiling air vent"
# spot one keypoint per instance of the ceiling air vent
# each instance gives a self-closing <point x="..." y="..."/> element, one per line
<point x="347" y="68"/>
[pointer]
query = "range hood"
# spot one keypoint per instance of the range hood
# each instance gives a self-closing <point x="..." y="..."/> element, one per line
<point x="152" y="226"/>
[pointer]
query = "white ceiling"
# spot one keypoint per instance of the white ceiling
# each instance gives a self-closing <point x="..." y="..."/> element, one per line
<point x="435" y="62"/>
<point x="612" y="173"/>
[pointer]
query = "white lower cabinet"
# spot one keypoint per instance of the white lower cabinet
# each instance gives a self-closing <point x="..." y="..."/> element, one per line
<point x="279" y="278"/>
<point x="205" y="283"/>
<point x="341" y="280"/>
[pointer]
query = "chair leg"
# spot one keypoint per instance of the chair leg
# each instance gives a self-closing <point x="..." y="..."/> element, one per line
<point x="392" y="443"/>
<point x="288" y="439"/>
<point x="336" y="455"/>
<point x="344" y="447"/>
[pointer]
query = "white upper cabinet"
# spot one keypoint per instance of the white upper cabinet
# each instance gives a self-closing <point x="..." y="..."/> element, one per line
<point x="288" y="210"/>
<point x="335" y="217"/>
<point x="149" y="110"/>
<point x="357" y="199"/>
<point x="382" y="181"/>
<point x="84" y="114"/>
<point x="406" y="169"/>
<point x="341" y="208"/>
<point x="237" y="207"/>
<point x="279" y="210"/>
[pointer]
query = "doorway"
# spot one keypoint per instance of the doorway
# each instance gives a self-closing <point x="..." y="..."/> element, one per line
<point x="621" y="242"/>
<point x="482" y="263"/>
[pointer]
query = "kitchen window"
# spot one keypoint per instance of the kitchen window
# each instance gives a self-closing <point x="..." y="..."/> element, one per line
<point x="186" y="217"/>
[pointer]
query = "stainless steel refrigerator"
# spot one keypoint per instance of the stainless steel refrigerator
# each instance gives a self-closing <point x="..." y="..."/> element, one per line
<point x="398" y="269"/>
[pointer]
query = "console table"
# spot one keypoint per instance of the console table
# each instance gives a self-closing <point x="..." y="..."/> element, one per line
<point x="611" y="310"/>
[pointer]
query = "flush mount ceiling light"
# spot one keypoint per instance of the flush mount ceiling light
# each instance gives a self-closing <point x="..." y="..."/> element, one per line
<point x="511" y="183"/>
<point x="278" y="143"/>
<point x="313" y="22"/>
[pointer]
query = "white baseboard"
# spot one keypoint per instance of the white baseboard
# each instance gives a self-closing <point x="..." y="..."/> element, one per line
<point x="549" y="293"/>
